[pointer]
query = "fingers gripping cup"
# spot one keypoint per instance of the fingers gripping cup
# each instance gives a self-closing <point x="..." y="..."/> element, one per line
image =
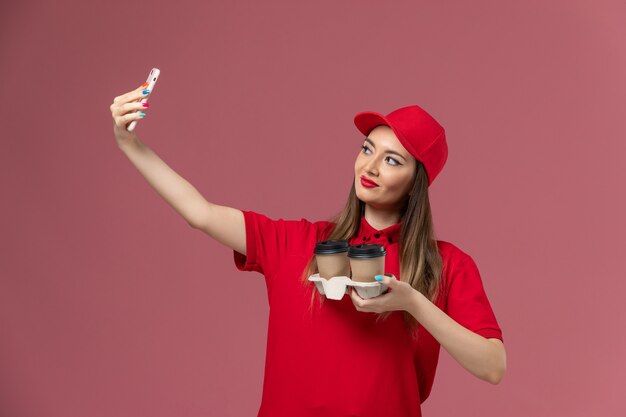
<point x="367" y="261"/>
<point x="332" y="258"/>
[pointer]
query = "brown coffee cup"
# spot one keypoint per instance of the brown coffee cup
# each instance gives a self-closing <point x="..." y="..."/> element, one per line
<point x="332" y="258"/>
<point x="366" y="261"/>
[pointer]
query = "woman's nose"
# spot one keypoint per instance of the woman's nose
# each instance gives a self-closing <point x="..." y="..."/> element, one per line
<point x="372" y="165"/>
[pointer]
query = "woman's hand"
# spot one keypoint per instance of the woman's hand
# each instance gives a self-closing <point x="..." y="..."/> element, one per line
<point x="398" y="297"/>
<point x="124" y="110"/>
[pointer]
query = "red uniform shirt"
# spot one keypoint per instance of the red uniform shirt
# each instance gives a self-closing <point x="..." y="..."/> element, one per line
<point x="339" y="361"/>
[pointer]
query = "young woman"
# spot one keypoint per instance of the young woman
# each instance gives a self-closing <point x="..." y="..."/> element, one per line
<point x="352" y="357"/>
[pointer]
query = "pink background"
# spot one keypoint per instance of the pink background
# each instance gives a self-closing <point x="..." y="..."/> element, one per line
<point x="111" y="305"/>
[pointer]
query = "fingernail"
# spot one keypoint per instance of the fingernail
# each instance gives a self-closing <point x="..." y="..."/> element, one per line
<point x="378" y="278"/>
<point x="144" y="85"/>
<point x="142" y="114"/>
<point x="145" y="91"/>
<point x="146" y="104"/>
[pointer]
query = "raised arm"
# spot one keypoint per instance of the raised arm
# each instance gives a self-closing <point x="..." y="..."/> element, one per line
<point x="224" y="224"/>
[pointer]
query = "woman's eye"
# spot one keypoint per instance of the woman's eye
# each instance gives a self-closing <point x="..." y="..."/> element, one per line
<point x="393" y="159"/>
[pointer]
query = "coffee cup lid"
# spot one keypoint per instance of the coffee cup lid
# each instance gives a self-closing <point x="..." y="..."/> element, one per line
<point x="330" y="247"/>
<point x="366" y="251"/>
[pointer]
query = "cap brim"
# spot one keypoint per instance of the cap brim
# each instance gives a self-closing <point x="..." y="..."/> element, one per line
<point x="367" y="120"/>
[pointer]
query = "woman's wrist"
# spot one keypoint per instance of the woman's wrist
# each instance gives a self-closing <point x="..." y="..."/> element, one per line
<point x="417" y="298"/>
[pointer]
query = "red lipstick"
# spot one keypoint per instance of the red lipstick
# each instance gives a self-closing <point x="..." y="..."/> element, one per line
<point x="368" y="183"/>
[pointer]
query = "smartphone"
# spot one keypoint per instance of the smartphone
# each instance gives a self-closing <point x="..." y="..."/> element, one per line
<point x="152" y="79"/>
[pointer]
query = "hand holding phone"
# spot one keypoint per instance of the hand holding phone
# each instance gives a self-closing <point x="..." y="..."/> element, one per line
<point x="151" y="80"/>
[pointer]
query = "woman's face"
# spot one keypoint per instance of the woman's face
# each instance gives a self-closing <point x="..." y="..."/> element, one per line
<point x="393" y="173"/>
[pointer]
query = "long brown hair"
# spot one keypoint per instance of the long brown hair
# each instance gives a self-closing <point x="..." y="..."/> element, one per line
<point x="420" y="262"/>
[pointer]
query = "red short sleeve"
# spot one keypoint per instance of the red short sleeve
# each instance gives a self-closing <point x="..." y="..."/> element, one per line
<point x="249" y="262"/>
<point x="268" y="241"/>
<point x="467" y="301"/>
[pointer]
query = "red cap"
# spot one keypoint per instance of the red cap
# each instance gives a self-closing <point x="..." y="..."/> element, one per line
<point x="418" y="132"/>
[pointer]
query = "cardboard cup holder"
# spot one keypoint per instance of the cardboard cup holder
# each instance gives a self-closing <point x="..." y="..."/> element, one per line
<point x="335" y="287"/>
